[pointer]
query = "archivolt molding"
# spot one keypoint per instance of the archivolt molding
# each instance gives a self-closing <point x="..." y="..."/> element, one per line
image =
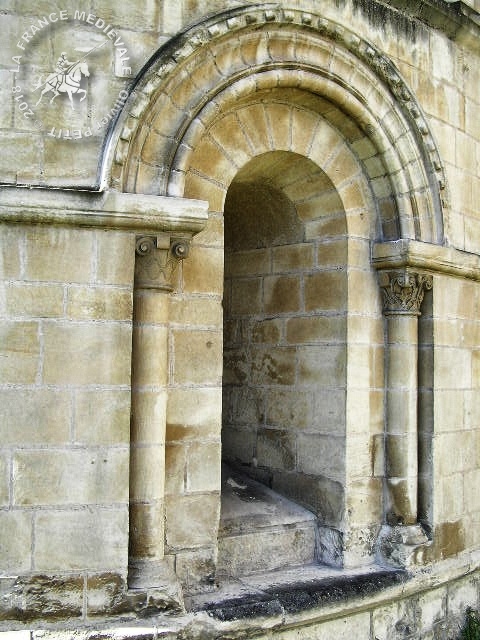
<point x="193" y="77"/>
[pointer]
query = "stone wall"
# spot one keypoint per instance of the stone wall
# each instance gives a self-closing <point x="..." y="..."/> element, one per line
<point x="253" y="180"/>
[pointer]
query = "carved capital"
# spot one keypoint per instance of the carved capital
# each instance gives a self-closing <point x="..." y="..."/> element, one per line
<point x="403" y="291"/>
<point x="157" y="258"/>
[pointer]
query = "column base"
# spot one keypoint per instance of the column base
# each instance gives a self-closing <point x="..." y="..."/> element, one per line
<point x="402" y="546"/>
<point x="157" y="581"/>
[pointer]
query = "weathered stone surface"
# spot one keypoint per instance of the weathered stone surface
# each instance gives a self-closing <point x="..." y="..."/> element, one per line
<point x="42" y="596"/>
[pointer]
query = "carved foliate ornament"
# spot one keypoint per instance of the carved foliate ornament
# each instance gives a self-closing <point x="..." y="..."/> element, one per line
<point x="157" y="259"/>
<point x="403" y="291"/>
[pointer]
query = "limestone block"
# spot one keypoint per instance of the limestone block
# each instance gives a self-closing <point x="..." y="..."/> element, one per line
<point x="4" y="479"/>
<point x="226" y="130"/>
<point x="175" y="465"/>
<point x="102" y="417"/>
<point x="290" y="408"/>
<point x="470" y="491"/>
<point x="210" y="159"/>
<point x="81" y="539"/>
<point x="42" y="597"/>
<point x="322" y="365"/>
<point x="87" y="353"/>
<point x="150" y="363"/>
<point x="365" y="502"/>
<point x="197" y="357"/>
<point x="68" y="164"/>
<point x="449" y="497"/>
<point x="297" y="257"/>
<point x="274" y="365"/>
<point x="456" y="452"/>
<point x="329" y="411"/>
<point x="33" y="301"/>
<point x="282" y="294"/>
<point x="99" y="303"/>
<point x="200" y="188"/>
<point x="70" y="476"/>
<point x="472" y="124"/>
<point x="212" y="233"/>
<point x="156" y="147"/>
<point x="321" y="455"/>
<point x="320" y="206"/>
<point x="16" y="541"/>
<point x="199" y="311"/>
<point x="203" y="271"/>
<point x="196" y="570"/>
<point x="11" y="245"/>
<point x="244" y="405"/>
<point x="249" y="263"/>
<point x="192" y="521"/>
<point x="236" y="368"/>
<point x="278" y="118"/>
<point x="21" y="157"/>
<point x="449" y="407"/>
<point x="34" y="416"/>
<point x="247" y="296"/>
<point x="303" y="125"/>
<point x="203" y="466"/>
<point x="148" y="417"/>
<point x="151" y="307"/>
<point x="267" y="331"/>
<point x="402" y="365"/>
<point x="147" y="472"/>
<point x="253" y="123"/>
<point x="326" y="291"/>
<point x="146" y="521"/>
<point x="365" y="410"/>
<point x="316" y="329"/>
<point x="239" y="443"/>
<point x="171" y="16"/>
<point x="115" y="253"/>
<point x="359" y="455"/>
<point x="19" y="352"/>
<point x="276" y="449"/>
<point x="194" y="413"/>
<point x="58" y="254"/>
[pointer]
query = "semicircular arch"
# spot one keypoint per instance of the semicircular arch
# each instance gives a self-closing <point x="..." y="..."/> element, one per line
<point x="329" y="72"/>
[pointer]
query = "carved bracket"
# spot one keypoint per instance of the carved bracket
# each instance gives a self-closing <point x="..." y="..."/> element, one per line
<point x="403" y="291"/>
<point x="157" y="258"/>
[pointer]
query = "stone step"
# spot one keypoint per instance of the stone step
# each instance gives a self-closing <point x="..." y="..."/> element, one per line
<point x="261" y="530"/>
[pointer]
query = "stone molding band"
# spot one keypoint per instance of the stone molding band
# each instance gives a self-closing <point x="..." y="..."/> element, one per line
<point x="426" y="258"/>
<point x="104" y="210"/>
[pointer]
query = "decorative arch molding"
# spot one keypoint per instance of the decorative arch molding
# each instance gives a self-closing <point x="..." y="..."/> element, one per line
<point x="232" y="57"/>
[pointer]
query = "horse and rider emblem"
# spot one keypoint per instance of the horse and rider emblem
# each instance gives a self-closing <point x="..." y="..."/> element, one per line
<point x="66" y="79"/>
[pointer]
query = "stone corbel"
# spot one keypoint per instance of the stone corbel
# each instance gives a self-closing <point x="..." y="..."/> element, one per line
<point x="158" y="257"/>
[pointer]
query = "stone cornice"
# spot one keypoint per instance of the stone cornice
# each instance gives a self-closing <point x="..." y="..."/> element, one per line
<point x="425" y="257"/>
<point x="458" y="20"/>
<point x="104" y="210"/>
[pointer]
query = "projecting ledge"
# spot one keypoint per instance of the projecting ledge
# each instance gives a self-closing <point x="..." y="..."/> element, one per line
<point x="104" y="210"/>
<point x="425" y="257"/>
